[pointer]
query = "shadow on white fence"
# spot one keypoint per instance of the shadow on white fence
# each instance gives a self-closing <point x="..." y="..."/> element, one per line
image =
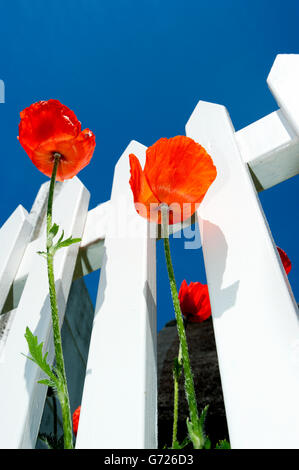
<point x="259" y="364"/>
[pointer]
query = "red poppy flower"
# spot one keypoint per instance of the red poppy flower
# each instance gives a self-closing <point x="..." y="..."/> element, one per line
<point x="49" y="127"/>
<point x="285" y="260"/>
<point x="177" y="172"/>
<point x="195" y="301"/>
<point x="76" y="416"/>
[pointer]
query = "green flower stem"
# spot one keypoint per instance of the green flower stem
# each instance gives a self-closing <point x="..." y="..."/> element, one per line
<point x="62" y="392"/>
<point x="176" y="377"/>
<point x="194" y="426"/>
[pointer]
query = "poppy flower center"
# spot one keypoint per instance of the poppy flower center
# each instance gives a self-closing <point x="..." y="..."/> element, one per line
<point x="57" y="156"/>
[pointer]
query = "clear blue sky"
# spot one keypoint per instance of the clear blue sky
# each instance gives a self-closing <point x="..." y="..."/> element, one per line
<point x="135" y="70"/>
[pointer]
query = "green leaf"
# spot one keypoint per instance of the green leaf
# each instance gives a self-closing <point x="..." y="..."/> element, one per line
<point x="197" y="431"/>
<point x="64" y="243"/>
<point x="202" y="422"/>
<point x="195" y="435"/>
<point x="202" y="418"/>
<point x="207" y="444"/>
<point x="183" y="444"/>
<point x="47" y="382"/>
<point x="68" y="241"/>
<point x="60" y="238"/>
<point x="175" y="445"/>
<point x="177" y="368"/>
<point x="53" y="230"/>
<point x="51" y="441"/>
<point x="36" y="351"/>
<point x="223" y="444"/>
<point x="42" y="253"/>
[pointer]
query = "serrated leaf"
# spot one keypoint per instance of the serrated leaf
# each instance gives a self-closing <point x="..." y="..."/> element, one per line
<point x="223" y="444"/>
<point x="36" y="351"/>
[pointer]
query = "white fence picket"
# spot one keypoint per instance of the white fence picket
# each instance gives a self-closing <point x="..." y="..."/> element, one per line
<point x="255" y="316"/>
<point x="119" y="404"/>
<point x="14" y="236"/>
<point x="254" y="313"/>
<point x="283" y="83"/>
<point x="21" y="398"/>
<point x="91" y="252"/>
<point x="270" y="147"/>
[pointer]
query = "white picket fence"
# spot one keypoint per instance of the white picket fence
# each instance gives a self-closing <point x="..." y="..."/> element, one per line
<point x="255" y="315"/>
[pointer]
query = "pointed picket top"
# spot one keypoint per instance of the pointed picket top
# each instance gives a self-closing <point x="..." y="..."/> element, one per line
<point x="14" y="237"/>
<point x="123" y="163"/>
<point x="22" y="412"/>
<point x="124" y="329"/>
<point x="201" y="118"/>
<point x="253" y="309"/>
<point x="283" y="82"/>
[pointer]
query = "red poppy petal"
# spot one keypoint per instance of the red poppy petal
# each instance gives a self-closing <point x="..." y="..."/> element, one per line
<point x="183" y="289"/>
<point x="186" y="300"/>
<point x="195" y="301"/>
<point x="47" y="127"/>
<point x="146" y="203"/>
<point x="179" y="171"/>
<point x="201" y="297"/>
<point x="47" y="120"/>
<point x="76" y="154"/>
<point x="285" y="260"/>
<point x="76" y="416"/>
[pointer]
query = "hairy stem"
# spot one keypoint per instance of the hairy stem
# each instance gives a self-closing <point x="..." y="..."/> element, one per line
<point x="176" y="377"/>
<point x="63" y="391"/>
<point x="195" y="435"/>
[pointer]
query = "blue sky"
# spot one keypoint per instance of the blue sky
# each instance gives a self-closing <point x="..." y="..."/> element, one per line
<point x="135" y="70"/>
